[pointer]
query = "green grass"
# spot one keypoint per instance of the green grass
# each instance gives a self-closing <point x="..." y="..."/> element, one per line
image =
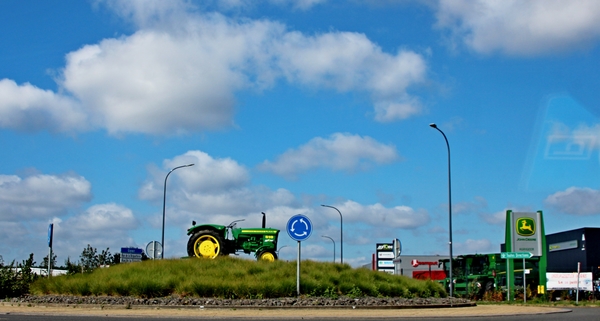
<point x="233" y="278"/>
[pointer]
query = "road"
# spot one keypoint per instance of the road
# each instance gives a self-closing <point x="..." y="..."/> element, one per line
<point x="40" y="313"/>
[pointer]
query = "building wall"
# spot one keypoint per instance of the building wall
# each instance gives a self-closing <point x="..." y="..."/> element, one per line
<point x="566" y="249"/>
<point x="404" y="266"/>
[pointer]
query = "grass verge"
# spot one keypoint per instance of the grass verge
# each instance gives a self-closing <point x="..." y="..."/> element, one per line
<point x="234" y="278"/>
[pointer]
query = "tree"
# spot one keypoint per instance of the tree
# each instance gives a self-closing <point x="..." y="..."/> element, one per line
<point x="72" y="268"/>
<point x="89" y="259"/>
<point x="45" y="261"/>
<point x="116" y="258"/>
<point x="105" y="258"/>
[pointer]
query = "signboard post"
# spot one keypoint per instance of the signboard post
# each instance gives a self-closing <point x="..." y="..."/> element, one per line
<point x="509" y="256"/>
<point x="50" y="235"/>
<point x="299" y="228"/>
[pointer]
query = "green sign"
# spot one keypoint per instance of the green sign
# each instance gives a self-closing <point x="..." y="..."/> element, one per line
<point x="515" y="255"/>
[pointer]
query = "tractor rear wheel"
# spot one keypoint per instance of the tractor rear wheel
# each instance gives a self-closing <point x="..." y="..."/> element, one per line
<point x="269" y="256"/>
<point x="205" y="244"/>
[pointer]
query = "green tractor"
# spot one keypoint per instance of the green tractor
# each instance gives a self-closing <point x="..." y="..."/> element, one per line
<point x="210" y="240"/>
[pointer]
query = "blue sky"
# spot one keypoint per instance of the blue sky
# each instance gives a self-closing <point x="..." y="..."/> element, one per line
<point x="286" y="105"/>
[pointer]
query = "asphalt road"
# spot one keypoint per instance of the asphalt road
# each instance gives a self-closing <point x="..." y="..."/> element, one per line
<point x="495" y="313"/>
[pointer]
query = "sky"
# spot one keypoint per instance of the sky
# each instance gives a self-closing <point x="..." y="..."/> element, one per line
<point x="287" y="105"/>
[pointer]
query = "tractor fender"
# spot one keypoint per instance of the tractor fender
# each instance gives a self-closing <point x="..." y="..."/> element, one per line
<point x="210" y="227"/>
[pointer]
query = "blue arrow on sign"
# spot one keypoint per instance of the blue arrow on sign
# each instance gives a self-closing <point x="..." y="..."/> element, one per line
<point x="299" y="227"/>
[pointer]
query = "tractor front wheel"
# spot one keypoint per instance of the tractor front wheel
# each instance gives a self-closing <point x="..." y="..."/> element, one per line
<point x="205" y="244"/>
<point x="268" y="256"/>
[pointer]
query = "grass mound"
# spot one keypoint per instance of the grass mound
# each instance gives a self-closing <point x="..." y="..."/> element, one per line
<point x="234" y="278"/>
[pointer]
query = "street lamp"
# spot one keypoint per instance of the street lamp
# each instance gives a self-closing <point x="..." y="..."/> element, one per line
<point x="162" y="255"/>
<point x="341" y="233"/>
<point x="449" y="206"/>
<point x="280" y="249"/>
<point x="333" y="246"/>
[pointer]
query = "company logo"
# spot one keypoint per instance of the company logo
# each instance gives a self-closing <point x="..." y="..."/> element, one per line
<point x="525" y="226"/>
<point x="385" y="246"/>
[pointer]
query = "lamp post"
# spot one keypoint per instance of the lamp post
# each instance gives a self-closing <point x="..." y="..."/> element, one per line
<point x="451" y="285"/>
<point x="341" y="233"/>
<point x="162" y="255"/>
<point x="333" y="246"/>
<point x="280" y="249"/>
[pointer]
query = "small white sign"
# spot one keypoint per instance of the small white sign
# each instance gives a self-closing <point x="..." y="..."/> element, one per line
<point x="385" y="264"/>
<point x="385" y="255"/>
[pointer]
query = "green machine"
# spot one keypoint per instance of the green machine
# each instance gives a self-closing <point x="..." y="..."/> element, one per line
<point x="477" y="274"/>
<point x="211" y="240"/>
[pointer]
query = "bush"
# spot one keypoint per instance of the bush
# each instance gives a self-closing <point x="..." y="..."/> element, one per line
<point x="15" y="280"/>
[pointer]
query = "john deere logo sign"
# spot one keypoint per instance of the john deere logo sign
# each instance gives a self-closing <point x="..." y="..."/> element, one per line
<point x="525" y="226"/>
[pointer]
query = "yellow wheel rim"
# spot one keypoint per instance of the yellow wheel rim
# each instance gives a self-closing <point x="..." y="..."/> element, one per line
<point x="267" y="256"/>
<point x="207" y="246"/>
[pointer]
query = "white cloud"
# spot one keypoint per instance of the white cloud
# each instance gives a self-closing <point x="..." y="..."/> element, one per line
<point x="40" y="196"/>
<point x="521" y="27"/>
<point x="497" y="218"/>
<point x="473" y="246"/>
<point x="207" y="176"/>
<point x="576" y="201"/>
<point x="26" y="107"/>
<point x="377" y="215"/>
<point x="341" y="151"/>
<point x="476" y="205"/>
<point x="180" y="71"/>
<point x="101" y="226"/>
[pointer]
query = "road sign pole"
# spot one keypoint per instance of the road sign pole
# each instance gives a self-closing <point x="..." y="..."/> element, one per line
<point x="508" y="279"/>
<point x="298" y="271"/>
<point x="524" y="283"/>
<point x="299" y="228"/>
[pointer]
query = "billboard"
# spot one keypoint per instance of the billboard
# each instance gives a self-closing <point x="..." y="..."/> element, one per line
<point x="566" y="281"/>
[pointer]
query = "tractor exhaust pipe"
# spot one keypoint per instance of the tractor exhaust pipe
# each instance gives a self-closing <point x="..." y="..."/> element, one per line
<point x="264" y="221"/>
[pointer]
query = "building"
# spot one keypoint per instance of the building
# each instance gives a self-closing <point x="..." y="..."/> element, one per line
<point x="567" y="249"/>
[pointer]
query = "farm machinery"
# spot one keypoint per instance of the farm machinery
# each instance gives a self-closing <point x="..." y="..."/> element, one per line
<point x="477" y="274"/>
<point x="211" y="240"/>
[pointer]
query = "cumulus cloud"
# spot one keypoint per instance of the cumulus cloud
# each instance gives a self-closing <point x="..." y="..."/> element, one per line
<point x="474" y="246"/>
<point x="29" y="108"/>
<point x="40" y="196"/>
<point x="575" y="201"/>
<point x="215" y="190"/>
<point x="496" y="218"/>
<point x="476" y="205"/>
<point x="180" y="71"/>
<point x="341" y="151"/>
<point x="521" y="27"/>
<point x="377" y="215"/>
<point x="102" y="226"/>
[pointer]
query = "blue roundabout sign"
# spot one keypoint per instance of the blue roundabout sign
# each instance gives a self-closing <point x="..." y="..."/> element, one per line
<point x="299" y="227"/>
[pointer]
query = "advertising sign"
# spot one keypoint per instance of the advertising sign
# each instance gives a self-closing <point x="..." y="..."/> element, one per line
<point x="385" y="257"/>
<point x="566" y="281"/>
<point x="563" y="246"/>
<point x="526" y="236"/>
